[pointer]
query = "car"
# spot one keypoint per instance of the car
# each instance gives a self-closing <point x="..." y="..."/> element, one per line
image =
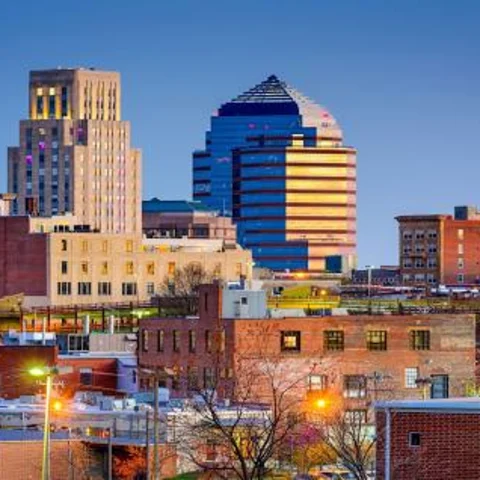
<point x="331" y="472"/>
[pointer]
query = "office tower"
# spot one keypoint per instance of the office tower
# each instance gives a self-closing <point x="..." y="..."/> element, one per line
<point x="74" y="154"/>
<point x="276" y="162"/>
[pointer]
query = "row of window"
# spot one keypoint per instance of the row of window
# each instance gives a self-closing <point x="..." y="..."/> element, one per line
<point x="103" y="288"/>
<point x="334" y="340"/>
<point x="419" y="234"/>
<point x="419" y="263"/>
<point x="420" y="248"/>
<point x="104" y="268"/>
<point x="85" y="246"/>
<point x="161" y="338"/>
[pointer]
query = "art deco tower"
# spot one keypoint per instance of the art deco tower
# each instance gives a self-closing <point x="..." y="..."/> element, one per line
<point x="74" y="154"/>
<point x="276" y="162"/>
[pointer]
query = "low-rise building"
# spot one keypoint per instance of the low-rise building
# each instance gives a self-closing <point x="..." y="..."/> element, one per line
<point x="56" y="262"/>
<point x="440" y="249"/>
<point x="357" y="358"/>
<point x="431" y="440"/>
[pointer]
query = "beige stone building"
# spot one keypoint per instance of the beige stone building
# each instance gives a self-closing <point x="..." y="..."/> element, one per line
<point x="74" y="153"/>
<point x="53" y="263"/>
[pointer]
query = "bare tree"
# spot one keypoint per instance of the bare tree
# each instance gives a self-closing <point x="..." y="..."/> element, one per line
<point x="184" y="285"/>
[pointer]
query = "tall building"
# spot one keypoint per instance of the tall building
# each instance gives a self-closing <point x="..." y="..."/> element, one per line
<point x="440" y="249"/>
<point x="74" y="153"/>
<point x="276" y="162"/>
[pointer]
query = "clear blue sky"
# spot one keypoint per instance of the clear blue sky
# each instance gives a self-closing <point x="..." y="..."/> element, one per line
<point x="402" y="78"/>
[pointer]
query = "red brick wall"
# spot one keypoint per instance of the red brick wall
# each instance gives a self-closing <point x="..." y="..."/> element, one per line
<point x="23" y="258"/>
<point x="449" y="446"/>
<point x="104" y="375"/>
<point x="471" y="247"/>
<point x="14" y="365"/>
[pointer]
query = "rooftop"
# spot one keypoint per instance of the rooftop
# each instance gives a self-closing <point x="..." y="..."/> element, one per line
<point x="155" y="205"/>
<point x="275" y="97"/>
<point x="443" y="405"/>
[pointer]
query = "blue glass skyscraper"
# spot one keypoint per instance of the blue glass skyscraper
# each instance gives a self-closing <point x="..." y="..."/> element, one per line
<point x="274" y="160"/>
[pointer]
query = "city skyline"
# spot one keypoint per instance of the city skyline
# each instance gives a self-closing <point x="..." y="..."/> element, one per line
<point x="407" y="101"/>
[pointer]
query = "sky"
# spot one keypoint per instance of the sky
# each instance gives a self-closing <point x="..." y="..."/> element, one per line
<point x="402" y="78"/>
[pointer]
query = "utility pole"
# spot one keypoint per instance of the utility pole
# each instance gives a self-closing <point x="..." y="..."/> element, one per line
<point x="147" y="443"/>
<point x="46" y="429"/>
<point x="156" y="460"/>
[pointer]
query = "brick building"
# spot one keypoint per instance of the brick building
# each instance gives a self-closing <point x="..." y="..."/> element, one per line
<point x="428" y="440"/>
<point x="440" y="249"/>
<point x="358" y="358"/>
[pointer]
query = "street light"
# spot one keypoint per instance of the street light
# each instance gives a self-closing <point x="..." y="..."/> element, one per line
<point x="48" y="373"/>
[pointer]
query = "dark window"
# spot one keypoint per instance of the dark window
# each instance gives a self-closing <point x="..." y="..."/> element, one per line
<point x="78" y="343"/>
<point x="414" y="439"/>
<point x="439" y="386"/>
<point x="354" y="386"/>
<point x="86" y="376"/>
<point x="64" y="267"/>
<point x="176" y="340"/>
<point x="333" y="340"/>
<point x="64" y="288"/>
<point x="208" y="341"/>
<point x="84" y="288"/>
<point x="129" y="288"/>
<point x="51" y="106"/>
<point x="104" y="288"/>
<point x="192" y="378"/>
<point x="64" y="245"/>
<point x="192" y="341"/>
<point x="419" y="340"/>
<point x="64" y="102"/>
<point x="208" y="377"/>
<point x="290" y="341"/>
<point x="145" y="340"/>
<point x="377" y="340"/>
<point x="160" y="340"/>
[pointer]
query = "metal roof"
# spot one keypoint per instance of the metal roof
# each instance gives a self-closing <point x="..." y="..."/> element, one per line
<point x="156" y="205"/>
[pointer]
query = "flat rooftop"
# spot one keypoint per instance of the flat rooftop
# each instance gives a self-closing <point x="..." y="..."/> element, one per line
<point x="462" y="404"/>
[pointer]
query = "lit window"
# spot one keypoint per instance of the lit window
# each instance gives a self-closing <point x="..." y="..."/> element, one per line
<point x="145" y="340"/>
<point x="176" y="340"/>
<point x="104" y="269"/>
<point x="160" y="340"/>
<point x="460" y="248"/>
<point x="84" y="267"/>
<point x="129" y="269"/>
<point x="377" y="340"/>
<point x="411" y="375"/>
<point x="151" y="268"/>
<point x="419" y="339"/>
<point x="460" y="233"/>
<point x="129" y="246"/>
<point x="171" y="269"/>
<point x="354" y="386"/>
<point x="333" y="340"/>
<point x="317" y="382"/>
<point x="290" y="341"/>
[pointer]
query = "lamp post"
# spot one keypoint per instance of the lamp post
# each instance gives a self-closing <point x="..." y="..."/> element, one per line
<point x="48" y="373"/>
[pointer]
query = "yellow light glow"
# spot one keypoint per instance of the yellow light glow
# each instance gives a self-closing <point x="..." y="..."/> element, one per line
<point x="57" y="405"/>
<point x="321" y="403"/>
<point x="37" y="372"/>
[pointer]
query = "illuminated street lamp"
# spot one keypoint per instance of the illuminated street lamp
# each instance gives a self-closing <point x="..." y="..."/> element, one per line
<point x="48" y="373"/>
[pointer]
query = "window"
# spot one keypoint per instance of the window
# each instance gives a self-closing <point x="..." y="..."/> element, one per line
<point x="460" y="249"/>
<point x="129" y="246"/>
<point x="290" y="341"/>
<point x="439" y="386"/>
<point x="145" y="340"/>
<point x="192" y="378"/>
<point x="129" y="288"/>
<point x="84" y="246"/>
<point x="64" y="245"/>
<point x="78" y="343"/>
<point x="160" y="340"/>
<point x="460" y="263"/>
<point x="414" y="439"/>
<point x="129" y="269"/>
<point x="317" y="383"/>
<point x="419" y="263"/>
<point x="432" y="263"/>
<point x="460" y="278"/>
<point x="64" y="267"/>
<point x="150" y="288"/>
<point x="208" y="341"/>
<point x="64" y="288"/>
<point x="419" y="235"/>
<point x="431" y="278"/>
<point x="86" y="376"/>
<point x="432" y="235"/>
<point x="419" y="339"/>
<point x="151" y="268"/>
<point x="104" y="269"/>
<point x="84" y="267"/>
<point x="104" y="288"/>
<point x="407" y="249"/>
<point x="104" y="246"/>
<point x="358" y="416"/>
<point x="419" y="248"/>
<point x="432" y="249"/>
<point x="171" y="269"/>
<point x="176" y="340"/>
<point x="407" y="235"/>
<point x="84" y="288"/>
<point x="460" y="233"/>
<point x="407" y="263"/>
<point x="411" y="375"/>
<point x="192" y="341"/>
<point x="354" y="386"/>
<point x="333" y="340"/>
<point x="208" y="377"/>
<point x="377" y="340"/>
